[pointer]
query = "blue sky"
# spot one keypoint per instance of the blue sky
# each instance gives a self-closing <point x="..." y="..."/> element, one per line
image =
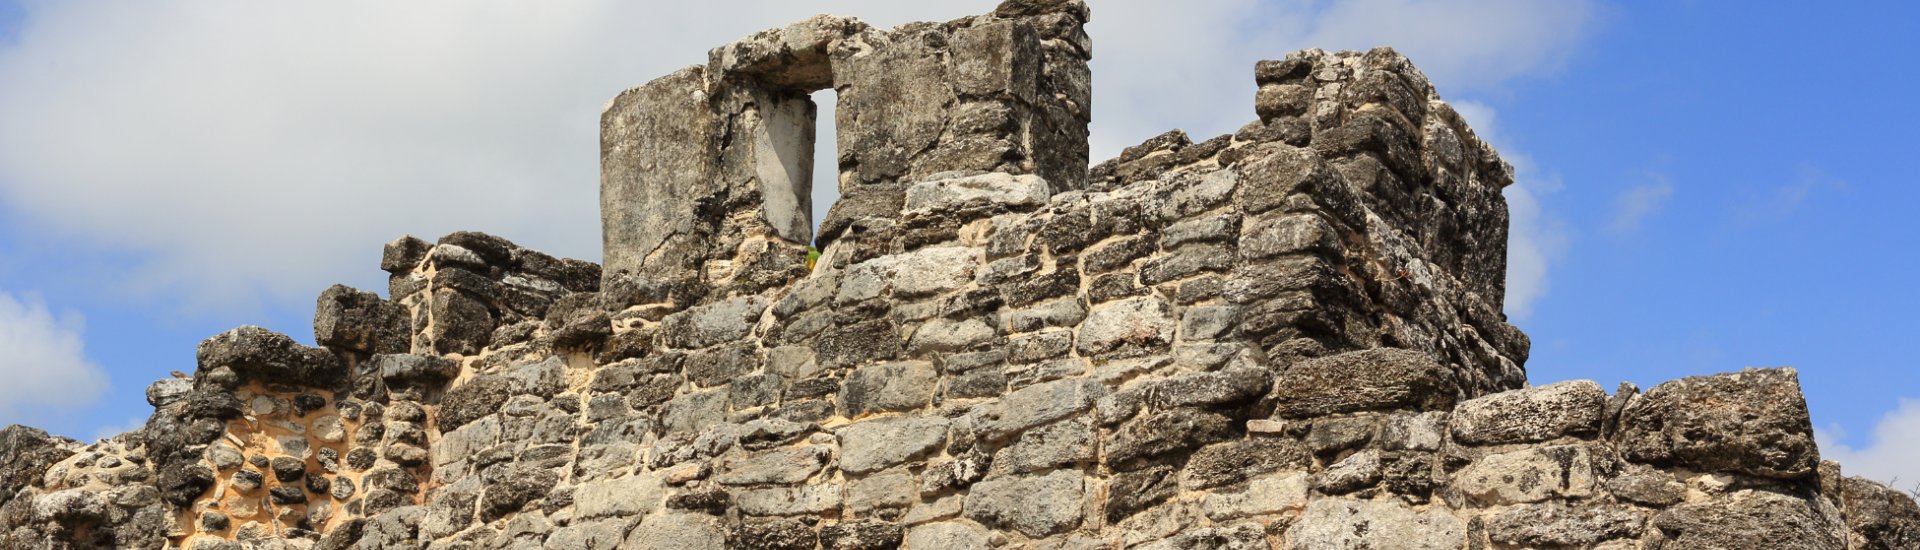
<point x="1704" y="185"/>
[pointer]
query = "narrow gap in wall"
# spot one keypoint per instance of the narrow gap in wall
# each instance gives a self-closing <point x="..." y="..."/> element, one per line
<point x="826" y="158"/>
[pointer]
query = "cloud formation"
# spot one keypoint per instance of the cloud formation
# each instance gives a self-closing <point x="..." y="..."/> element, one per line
<point x="255" y="152"/>
<point x="43" y="361"/>
<point x="1633" y="206"/>
<point x="1890" y="451"/>
<point x="1782" y="201"/>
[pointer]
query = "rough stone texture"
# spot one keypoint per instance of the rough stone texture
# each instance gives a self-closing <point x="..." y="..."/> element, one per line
<point x="1036" y="506"/>
<point x="1750" y="519"/>
<point x="1529" y="415"/>
<point x="1374" y="379"/>
<point x="1287" y="337"/>
<point x="360" y="321"/>
<point x="1355" y="525"/>
<point x="1753" y="422"/>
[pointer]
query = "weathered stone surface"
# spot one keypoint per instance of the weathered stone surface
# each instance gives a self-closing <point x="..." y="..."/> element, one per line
<point x="1165" y="432"/>
<point x="1647" y="486"/>
<point x="906" y="276"/>
<point x="886" y="387"/>
<point x="1375" y="379"/>
<point x="1354" y="525"/>
<point x="474" y="399"/>
<point x="348" y="319"/>
<point x="257" y="354"/>
<point x="1753" y="422"/>
<point x="784" y="466"/>
<point x="1059" y="444"/>
<point x="1529" y="415"/>
<point x="25" y="453"/>
<point x="421" y="369"/>
<point x="678" y="532"/>
<point x="1530" y="475"/>
<point x="462" y="324"/>
<point x="1036" y="506"/>
<point x="1263" y="495"/>
<point x="894" y="488"/>
<point x="629" y="496"/>
<point x="1750" y="519"/>
<point x="992" y="192"/>
<point x="1559" y="525"/>
<point x="1879" y="517"/>
<point x="948" y="534"/>
<point x="776" y="534"/>
<point x="1236" y="460"/>
<point x="713" y="324"/>
<point x="1126" y="327"/>
<point x="1035" y="405"/>
<point x="789" y="501"/>
<point x="860" y="535"/>
<point x="877" y="444"/>
<point x="1208" y="388"/>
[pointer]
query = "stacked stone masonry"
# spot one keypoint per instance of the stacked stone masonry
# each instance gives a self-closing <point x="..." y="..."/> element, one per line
<point x="1288" y="337"/>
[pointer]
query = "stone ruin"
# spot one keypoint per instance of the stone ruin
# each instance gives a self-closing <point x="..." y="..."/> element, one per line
<point x="1288" y="337"/>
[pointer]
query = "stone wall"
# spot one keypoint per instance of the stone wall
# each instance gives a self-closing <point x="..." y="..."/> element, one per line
<point x="1288" y="337"/>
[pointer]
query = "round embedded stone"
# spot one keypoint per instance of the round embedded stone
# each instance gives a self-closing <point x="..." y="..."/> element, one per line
<point x="225" y="457"/>
<point x="329" y="429"/>
<point x="286" y="468"/>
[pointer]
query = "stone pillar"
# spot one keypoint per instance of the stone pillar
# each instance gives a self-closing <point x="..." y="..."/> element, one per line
<point x="705" y="176"/>
<point x="656" y="172"/>
<point x="1000" y="93"/>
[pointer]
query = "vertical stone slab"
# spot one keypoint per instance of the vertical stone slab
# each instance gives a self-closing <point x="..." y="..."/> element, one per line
<point x="656" y="174"/>
<point x="894" y="103"/>
<point x="1005" y="93"/>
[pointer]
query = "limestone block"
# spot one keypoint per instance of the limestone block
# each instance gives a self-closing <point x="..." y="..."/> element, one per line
<point x="989" y="193"/>
<point x="676" y="531"/>
<point x="1375" y="379"/>
<point x="1035" y="405"/>
<point x="1126" y="326"/>
<point x="255" y="353"/>
<point x="713" y="324"/>
<point x="1263" y="495"/>
<point x="1560" y="525"/>
<point x="876" y="444"/>
<point x="625" y="497"/>
<point x="1529" y="475"/>
<point x="348" y="319"/>
<point x="789" y="501"/>
<point x="1757" y="520"/>
<point x="788" y="465"/>
<point x="1062" y="443"/>
<point x="1343" y="524"/>
<point x="896" y="386"/>
<point x="1036" y="506"/>
<point x="957" y="535"/>
<point x="1753" y="422"/>
<point x="1541" y="413"/>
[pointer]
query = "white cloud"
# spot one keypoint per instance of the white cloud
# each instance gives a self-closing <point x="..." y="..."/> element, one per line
<point x="1462" y="44"/>
<point x="1782" y="201"/>
<point x="1889" y="454"/>
<point x="43" y="360"/>
<point x="1633" y="206"/>
<point x="1164" y="65"/>
<point x="250" y="151"/>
